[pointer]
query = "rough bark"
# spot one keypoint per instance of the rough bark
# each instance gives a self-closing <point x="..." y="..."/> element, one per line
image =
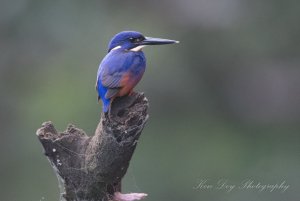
<point x="91" y="168"/>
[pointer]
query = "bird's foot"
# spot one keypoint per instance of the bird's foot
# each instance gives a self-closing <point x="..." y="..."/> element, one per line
<point x="131" y="93"/>
<point x="118" y="196"/>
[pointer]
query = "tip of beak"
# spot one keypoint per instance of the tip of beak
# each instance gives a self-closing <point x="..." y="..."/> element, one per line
<point x="177" y="41"/>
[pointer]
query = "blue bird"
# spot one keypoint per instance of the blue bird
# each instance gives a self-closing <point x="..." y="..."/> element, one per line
<point x="124" y="65"/>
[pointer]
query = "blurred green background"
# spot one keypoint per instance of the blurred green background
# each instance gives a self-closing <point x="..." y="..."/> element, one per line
<point x="224" y="103"/>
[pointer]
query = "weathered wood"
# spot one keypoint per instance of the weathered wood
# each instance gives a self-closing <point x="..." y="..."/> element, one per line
<point x="91" y="168"/>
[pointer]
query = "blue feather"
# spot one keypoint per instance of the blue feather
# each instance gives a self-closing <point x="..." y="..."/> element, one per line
<point x="101" y="93"/>
<point x="124" y="65"/>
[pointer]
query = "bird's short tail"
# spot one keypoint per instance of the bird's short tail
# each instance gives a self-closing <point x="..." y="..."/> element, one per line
<point x="106" y="106"/>
<point x="101" y="95"/>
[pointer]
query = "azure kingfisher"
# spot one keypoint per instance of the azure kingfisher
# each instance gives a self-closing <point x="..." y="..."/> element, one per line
<point x="124" y="65"/>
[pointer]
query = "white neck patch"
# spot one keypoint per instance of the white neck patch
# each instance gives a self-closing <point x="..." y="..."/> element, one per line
<point x="115" y="48"/>
<point x="138" y="48"/>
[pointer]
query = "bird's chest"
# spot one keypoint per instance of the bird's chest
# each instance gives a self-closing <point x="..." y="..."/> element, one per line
<point x="135" y="63"/>
<point x="136" y="70"/>
<point x="133" y="74"/>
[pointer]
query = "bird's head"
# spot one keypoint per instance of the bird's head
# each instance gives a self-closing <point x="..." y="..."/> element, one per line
<point x="135" y="41"/>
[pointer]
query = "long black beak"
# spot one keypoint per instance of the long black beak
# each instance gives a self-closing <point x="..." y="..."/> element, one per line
<point x="157" y="41"/>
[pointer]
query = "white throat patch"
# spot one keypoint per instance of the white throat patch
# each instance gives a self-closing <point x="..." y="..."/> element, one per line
<point x="138" y="48"/>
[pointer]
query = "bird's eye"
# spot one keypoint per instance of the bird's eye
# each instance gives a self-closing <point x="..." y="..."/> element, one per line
<point x="135" y="40"/>
<point x="132" y="40"/>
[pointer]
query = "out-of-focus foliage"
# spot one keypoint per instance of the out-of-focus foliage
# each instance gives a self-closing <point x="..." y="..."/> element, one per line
<point x="224" y="103"/>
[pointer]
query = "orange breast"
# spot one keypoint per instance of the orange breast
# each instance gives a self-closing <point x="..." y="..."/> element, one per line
<point x="128" y="82"/>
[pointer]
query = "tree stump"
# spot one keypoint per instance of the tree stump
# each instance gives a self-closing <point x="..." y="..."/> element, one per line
<point x="91" y="168"/>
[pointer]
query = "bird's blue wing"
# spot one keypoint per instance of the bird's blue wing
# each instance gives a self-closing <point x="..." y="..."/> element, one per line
<point x="113" y="68"/>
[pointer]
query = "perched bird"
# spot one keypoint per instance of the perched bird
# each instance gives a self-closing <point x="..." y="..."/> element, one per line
<point x="124" y="65"/>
